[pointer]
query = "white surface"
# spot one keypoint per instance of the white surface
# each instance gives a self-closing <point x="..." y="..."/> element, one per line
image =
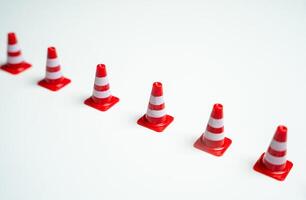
<point x="247" y="55"/>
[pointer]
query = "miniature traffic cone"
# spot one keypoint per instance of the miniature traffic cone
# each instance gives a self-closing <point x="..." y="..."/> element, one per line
<point x="273" y="163"/>
<point x="15" y="62"/>
<point x="156" y="118"/>
<point x="212" y="140"/>
<point x="101" y="98"/>
<point x="54" y="80"/>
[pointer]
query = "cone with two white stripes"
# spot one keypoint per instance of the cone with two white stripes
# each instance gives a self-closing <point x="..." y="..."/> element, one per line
<point x="15" y="63"/>
<point x="273" y="162"/>
<point x="156" y="117"/>
<point x="101" y="99"/>
<point x="54" y="80"/>
<point x="213" y="140"/>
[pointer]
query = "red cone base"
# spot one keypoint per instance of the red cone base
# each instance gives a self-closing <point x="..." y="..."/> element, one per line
<point x="214" y="151"/>
<point x="16" y="69"/>
<point x="54" y="86"/>
<point x="155" y="127"/>
<point x="278" y="175"/>
<point x="104" y="106"/>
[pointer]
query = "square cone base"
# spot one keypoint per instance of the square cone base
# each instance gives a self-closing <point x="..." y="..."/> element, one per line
<point x="155" y="127"/>
<point x="214" y="151"/>
<point x="16" y="69"/>
<point x="100" y="106"/>
<point x="54" y="86"/>
<point x="278" y="175"/>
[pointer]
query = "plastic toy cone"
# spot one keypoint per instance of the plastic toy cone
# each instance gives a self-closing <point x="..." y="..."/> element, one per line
<point x="212" y="140"/>
<point x="156" y="118"/>
<point x="101" y="98"/>
<point x="273" y="162"/>
<point x="54" y="80"/>
<point x="15" y="63"/>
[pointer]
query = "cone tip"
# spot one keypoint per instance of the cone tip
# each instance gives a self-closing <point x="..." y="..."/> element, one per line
<point x="217" y="111"/>
<point x="157" y="89"/>
<point x="52" y="52"/>
<point x="281" y="133"/>
<point x="101" y="70"/>
<point x="12" y="39"/>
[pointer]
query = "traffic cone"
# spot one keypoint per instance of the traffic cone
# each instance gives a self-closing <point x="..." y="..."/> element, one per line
<point x="15" y="62"/>
<point x="156" y="117"/>
<point x="212" y="140"/>
<point x="54" y="80"/>
<point x="273" y="163"/>
<point x="101" y="98"/>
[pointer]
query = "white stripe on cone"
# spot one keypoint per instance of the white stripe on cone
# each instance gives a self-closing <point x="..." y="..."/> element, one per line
<point x="215" y="123"/>
<point x="52" y="62"/>
<point x="156" y="113"/>
<point x="101" y="81"/>
<point x="14" y="59"/>
<point x="101" y="94"/>
<point x="278" y="146"/>
<point x="156" y="100"/>
<point x="213" y="136"/>
<point x="53" y="75"/>
<point x="275" y="160"/>
<point x="13" y="48"/>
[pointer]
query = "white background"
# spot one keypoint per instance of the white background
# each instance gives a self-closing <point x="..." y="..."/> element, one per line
<point x="248" y="55"/>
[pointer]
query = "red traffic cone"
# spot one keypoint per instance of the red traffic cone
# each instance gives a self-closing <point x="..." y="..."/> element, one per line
<point x="54" y="80"/>
<point x="156" y="117"/>
<point x="15" y="62"/>
<point x="273" y="163"/>
<point x="212" y="140"/>
<point x="101" y="98"/>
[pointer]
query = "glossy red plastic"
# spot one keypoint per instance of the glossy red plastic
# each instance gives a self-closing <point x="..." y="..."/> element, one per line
<point x="278" y="175"/>
<point x="54" y="86"/>
<point x="16" y="68"/>
<point x="218" y="146"/>
<point x="269" y="163"/>
<point x="102" y="106"/>
<point x="218" y="151"/>
<point x="156" y="122"/>
<point x="158" y="127"/>
<point x="104" y="102"/>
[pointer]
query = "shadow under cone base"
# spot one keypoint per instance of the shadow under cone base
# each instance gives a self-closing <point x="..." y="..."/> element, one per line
<point x="54" y="86"/>
<point x="16" y="69"/>
<point x="214" y="151"/>
<point x="102" y="106"/>
<point x="155" y="127"/>
<point x="278" y="175"/>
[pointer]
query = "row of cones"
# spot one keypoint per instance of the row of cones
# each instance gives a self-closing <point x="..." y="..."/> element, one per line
<point x="272" y="163"/>
<point x="54" y="80"/>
